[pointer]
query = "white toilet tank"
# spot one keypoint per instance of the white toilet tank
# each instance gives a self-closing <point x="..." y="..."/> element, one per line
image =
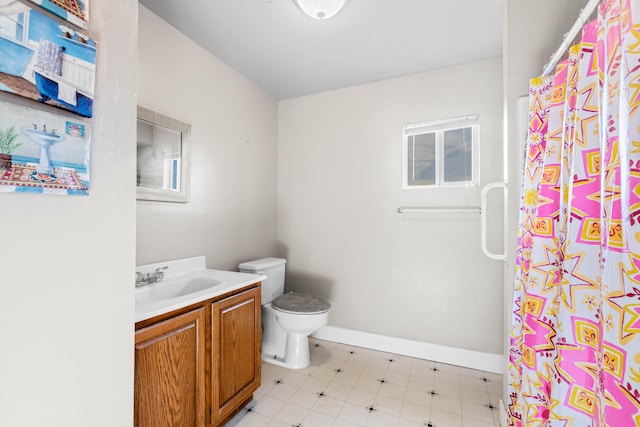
<point x="273" y="268"/>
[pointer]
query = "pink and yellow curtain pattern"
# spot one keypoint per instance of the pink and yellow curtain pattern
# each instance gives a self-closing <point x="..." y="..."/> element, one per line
<point x="575" y="334"/>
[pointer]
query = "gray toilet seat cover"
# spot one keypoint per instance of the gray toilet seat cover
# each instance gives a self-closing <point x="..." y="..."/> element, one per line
<point x="294" y="302"/>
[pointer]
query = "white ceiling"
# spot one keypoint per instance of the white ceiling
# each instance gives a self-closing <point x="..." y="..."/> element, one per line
<point x="273" y="44"/>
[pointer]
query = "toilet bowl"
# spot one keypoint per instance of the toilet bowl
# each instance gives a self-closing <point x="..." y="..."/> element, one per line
<point x="287" y="319"/>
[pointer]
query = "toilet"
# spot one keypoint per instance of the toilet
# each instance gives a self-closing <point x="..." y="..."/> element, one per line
<point x="287" y="319"/>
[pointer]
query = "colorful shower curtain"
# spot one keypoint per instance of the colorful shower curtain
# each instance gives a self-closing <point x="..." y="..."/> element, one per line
<point x="575" y="332"/>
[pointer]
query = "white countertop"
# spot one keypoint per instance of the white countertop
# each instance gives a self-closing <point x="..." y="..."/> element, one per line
<point x="156" y="298"/>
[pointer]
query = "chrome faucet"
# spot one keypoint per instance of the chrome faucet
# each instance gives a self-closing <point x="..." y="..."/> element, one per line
<point x="145" y="279"/>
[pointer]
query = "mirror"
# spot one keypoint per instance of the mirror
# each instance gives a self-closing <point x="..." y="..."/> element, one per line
<point x="162" y="157"/>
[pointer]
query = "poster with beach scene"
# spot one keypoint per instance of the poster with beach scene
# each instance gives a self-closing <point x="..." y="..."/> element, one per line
<point x="44" y="60"/>
<point x="73" y="11"/>
<point x="41" y="152"/>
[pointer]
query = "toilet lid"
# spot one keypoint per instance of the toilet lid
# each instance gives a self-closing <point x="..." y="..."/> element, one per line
<point x="294" y="302"/>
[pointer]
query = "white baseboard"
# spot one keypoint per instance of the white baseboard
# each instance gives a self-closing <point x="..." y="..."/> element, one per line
<point x="487" y="362"/>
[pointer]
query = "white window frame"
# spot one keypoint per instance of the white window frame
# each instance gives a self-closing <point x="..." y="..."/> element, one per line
<point x="438" y="128"/>
<point x="25" y="27"/>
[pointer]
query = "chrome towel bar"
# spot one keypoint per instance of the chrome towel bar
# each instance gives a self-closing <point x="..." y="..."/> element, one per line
<point x="438" y="210"/>
<point x="482" y="210"/>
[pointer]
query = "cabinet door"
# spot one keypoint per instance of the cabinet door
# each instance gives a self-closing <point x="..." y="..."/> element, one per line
<point x="170" y="372"/>
<point x="237" y="336"/>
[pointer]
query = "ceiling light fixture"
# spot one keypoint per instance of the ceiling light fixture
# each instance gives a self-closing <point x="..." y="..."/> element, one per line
<point x="321" y="9"/>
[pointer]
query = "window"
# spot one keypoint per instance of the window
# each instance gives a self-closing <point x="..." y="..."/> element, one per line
<point x="442" y="153"/>
<point x="12" y="26"/>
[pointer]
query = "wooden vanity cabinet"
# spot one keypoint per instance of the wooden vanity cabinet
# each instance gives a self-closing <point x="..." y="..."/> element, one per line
<point x="237" y="336"/>
<point x="198" y="366"/>
<point x="170" y="372"/>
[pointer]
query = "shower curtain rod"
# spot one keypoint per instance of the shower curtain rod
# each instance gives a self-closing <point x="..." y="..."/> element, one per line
<point x="585" y="13"/>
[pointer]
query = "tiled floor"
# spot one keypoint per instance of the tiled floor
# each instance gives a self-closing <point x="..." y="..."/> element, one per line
<point x="354" y="386"/>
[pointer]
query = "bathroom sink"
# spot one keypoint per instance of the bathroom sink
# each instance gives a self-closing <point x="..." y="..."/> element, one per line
<point x="186" y="281"/>
<point x="175" y="288"/>
<point x="45" y="140"/>
<point x="43" y="137"/>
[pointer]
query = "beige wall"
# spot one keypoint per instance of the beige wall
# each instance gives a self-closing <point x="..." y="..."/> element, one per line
<point x="232" y="214"/>
<point x="66" y="266"/>
<point x="420" y="276"/>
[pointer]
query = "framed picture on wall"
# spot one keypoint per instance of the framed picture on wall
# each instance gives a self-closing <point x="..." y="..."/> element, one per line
<point x="43" y="152"/>
<point x="73" y="11"/>
<point x="46" y="61"/>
